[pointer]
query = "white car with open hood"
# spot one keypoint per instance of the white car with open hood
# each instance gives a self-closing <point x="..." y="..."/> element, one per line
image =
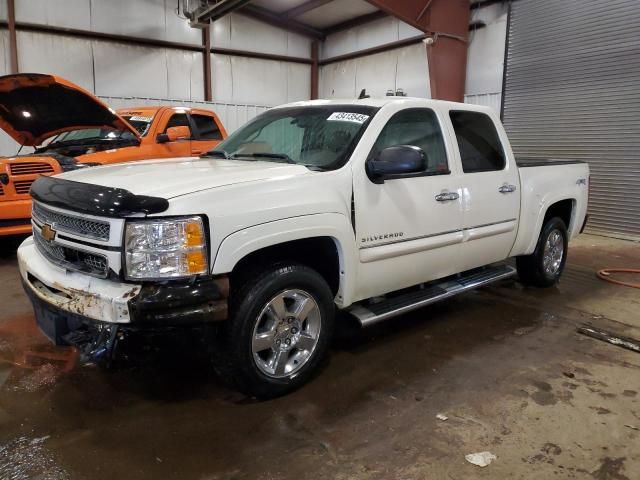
<point x="372" y="206"/>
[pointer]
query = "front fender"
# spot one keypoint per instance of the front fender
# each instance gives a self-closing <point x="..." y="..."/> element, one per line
<point x="334" y="225"/>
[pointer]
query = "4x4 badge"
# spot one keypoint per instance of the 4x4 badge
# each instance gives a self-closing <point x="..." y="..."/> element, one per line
<point x="47" y="232"/>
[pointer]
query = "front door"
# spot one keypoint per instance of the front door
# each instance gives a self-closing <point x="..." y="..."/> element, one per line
<point x="491" y="195"/>
<point x="408" y="229"/>
<point x="178" y="148"/>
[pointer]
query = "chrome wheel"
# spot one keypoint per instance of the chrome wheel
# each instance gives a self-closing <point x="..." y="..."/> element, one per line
<point x="553" y="253"/>
<point x="286" y="333"/>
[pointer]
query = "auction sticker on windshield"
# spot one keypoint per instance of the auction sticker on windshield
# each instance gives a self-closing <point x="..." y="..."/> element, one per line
<point x="348" y="117"/>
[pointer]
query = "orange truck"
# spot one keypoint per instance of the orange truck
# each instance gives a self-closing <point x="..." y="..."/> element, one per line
<point x="70" y="128"/>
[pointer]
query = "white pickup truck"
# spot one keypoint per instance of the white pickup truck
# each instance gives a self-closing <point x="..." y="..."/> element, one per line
<point x="372" y="206"/>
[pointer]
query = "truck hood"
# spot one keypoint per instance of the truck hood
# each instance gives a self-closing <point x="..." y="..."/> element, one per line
<point x="174" y="177"/>
<point x="34" y="107"/>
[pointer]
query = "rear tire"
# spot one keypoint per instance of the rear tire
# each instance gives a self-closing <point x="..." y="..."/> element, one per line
<point x="279" y="330"/>
<point x="544" y="266"/>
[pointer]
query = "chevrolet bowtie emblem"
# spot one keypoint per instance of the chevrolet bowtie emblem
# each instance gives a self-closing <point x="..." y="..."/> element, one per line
<point x="47" y="232"/>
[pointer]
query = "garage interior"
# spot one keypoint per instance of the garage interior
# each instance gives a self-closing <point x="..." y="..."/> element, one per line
<point x="502" y="369"/>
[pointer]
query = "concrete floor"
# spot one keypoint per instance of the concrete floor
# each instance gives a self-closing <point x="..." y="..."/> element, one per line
<point x="505" y="364"/>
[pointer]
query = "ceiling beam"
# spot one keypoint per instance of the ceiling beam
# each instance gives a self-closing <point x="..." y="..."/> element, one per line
<point x="430" y="16"/>
<point x="211" y="13"/>
<point x="305" y="7"/>
<point x="277" y="20"/>
<point x="355" y="22"/>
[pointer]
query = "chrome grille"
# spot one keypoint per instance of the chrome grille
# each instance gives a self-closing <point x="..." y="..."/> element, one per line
<point x="22" y="186"/>
<point x="70" y="258"/>
<point x="71" y="224"/>
<point x="29" y="168"/>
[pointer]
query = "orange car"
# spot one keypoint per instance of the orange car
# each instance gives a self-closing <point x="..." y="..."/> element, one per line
<point x="70" y="128"/>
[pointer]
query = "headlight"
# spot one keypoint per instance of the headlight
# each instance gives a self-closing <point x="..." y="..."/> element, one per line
<point x="165" y="248"/>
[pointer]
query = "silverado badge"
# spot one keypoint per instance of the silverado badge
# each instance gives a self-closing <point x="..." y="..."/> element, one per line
<point x="47" y="232"/>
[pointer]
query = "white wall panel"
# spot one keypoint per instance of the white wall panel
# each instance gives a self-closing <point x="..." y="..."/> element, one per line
<point x="265" y="82"/>
<point x="338" y="80"/>
<point x="3" y="10"/>
<point x="492" y="100"/>
<point x="5" y="62"/>
<point x="222" y="78"/>
<point x="404" y="68"/>
<point x="485" y="57"/>
<point x="123" y="70"/>
<point x="413" y="71"/>
<point x="298" y="82"/>
<point x="142" y="18"/>
<point x="7" y="145"/>
<point x="60" y="13"/>
<point x="243" y="33"/>
<point x="185" y="75"/>
<point x="67" y="57"/>
<point x="373" y="34"/>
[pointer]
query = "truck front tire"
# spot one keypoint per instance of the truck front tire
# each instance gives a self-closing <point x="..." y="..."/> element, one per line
<point x="545" y="265"/>
<point x="279" y="330"/>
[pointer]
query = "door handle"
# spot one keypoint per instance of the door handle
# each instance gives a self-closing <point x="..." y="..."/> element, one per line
<point x="507" y="188"/>
<point x="447" y="197"/>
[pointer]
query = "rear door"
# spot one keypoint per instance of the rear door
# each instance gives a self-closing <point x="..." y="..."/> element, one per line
<point x="207" y="132"/>
<point x="490" y="182"/>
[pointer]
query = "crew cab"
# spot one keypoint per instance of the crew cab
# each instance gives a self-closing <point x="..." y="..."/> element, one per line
<point x="374" y="207"/>
<point x="70" y="128"/>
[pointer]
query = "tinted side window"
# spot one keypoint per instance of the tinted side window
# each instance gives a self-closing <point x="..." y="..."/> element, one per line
<point x="207" y="127"/>
<point x="178" y="120"/>
<point x="478" y="141"/>
<point x="418" y="127"/>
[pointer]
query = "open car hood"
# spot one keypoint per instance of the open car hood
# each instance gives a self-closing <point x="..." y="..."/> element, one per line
<point x="34" y="107"/>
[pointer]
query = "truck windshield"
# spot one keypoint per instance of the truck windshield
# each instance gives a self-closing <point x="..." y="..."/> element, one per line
<point x="319" y="137"/>
<point x="140" y="122"/>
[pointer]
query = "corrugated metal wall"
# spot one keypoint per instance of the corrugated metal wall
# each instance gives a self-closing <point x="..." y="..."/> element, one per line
<point x="573" y="92"/>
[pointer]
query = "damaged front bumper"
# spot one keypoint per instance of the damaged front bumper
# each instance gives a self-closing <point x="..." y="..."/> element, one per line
<point x="66" y="303"/>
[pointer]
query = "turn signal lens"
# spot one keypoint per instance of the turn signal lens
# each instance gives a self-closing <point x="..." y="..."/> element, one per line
<point x="196" y="262"/>
<point x="194" y="234"/>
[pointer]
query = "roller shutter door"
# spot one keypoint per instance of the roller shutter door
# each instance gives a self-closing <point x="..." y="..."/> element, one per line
<point x="572" y="91"/>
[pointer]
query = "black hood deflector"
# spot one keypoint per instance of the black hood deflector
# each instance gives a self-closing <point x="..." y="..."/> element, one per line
<point x="94" y="199"/>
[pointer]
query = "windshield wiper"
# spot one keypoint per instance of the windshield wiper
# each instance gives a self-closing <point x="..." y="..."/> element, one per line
<point x="215" y="154"/>
<point x="271" y="156"/>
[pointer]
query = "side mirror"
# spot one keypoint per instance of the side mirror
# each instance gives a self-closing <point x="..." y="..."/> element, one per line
<point x="173" y="134"/>
<point x="396" y="162"/>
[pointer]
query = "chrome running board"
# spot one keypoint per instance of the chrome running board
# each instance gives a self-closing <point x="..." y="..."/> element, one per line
<point x="369" y="313"/>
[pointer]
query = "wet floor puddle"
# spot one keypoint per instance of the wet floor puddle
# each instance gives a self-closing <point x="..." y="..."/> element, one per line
<point x="28" y="362"/>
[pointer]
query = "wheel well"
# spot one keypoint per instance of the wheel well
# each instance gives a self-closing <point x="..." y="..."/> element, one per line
<point x="563" y="210"/>
<point x="319" y="253"/>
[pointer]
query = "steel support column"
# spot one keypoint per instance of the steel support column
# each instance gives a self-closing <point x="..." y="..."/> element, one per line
<point x="206" y="62"/>
<point x="446" y="22"/>
<point x="314" y="70"/>
<point x="13" y="43"/>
